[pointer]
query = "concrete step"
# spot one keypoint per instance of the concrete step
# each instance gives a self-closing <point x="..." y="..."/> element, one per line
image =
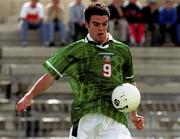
<point x="155" y="52"/>
<point x="17" y="52"/>
<point x="137" y="52"/>
<point x="140" y="69"/>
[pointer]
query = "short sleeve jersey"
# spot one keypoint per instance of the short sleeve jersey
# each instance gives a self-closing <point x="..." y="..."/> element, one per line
<point x="95" y="70"/>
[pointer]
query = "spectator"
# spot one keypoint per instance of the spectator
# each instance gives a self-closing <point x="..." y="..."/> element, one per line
<point x="54" y="21"/>
<point x="31" y="17"/>
<point x="167" y="20"/>
<point x="118" y="25"/>
<point x="134" y="16"/>
<point x="77" y="21"/>
<point x="151" y="16"/>
<point x="178" y="24"/>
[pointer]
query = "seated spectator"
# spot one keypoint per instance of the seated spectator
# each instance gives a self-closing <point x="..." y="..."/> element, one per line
<point x="77" y="21"/>
<point x="31" y="17"/>
<point x="118" y="25"/>
<point x="54" y="21"/>
<point x="136" y="27"/>
<point x="178" y="24"/>
<point x="167" y="20"/>
<point x="151" y="16"/>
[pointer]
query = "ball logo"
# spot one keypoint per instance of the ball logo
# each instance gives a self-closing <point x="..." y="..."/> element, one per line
<point x="123" y="108"/>
<point x="116" y="102"/>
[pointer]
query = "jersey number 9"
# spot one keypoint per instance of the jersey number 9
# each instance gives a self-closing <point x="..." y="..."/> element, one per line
<point x="107" y="70"/>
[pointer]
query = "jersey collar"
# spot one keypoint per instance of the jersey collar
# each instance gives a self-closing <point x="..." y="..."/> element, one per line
<point x="89" y="39"/>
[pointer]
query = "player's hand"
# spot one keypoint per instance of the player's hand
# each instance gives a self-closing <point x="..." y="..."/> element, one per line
<point x="22" y="105"/>
<point x="138" y="121"/>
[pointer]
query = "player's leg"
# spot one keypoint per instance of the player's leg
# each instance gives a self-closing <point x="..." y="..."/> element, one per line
<point x="98" y="126"/>
<point x="89" y="126"/>
<point x="86" y="127"/>
<point x="115" y="130"/>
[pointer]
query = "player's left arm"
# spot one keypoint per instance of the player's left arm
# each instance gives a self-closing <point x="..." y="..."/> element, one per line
<point x="137" y="120"/>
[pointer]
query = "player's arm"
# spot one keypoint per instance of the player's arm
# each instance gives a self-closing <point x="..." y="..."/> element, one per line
<point x="137" y="120"/>
<point x="41" y="85"/>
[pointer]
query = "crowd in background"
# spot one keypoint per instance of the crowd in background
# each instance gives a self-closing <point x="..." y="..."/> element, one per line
<point x="141" y="25"/>
<point x="130" y="22"/>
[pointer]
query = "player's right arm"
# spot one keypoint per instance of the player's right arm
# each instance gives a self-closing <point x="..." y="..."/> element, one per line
<point x="41" y="85"/>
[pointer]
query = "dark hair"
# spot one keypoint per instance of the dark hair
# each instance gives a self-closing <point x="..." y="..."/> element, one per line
<point x="96" y="8"/>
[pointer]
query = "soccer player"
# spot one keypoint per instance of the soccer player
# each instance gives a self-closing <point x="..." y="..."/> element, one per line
<point x="96" y="65"/>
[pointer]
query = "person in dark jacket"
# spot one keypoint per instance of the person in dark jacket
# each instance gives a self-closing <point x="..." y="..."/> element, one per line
<point x="151" y="15"/>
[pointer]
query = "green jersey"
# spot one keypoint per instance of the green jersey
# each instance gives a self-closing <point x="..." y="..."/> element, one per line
<point x="95" y="71"/>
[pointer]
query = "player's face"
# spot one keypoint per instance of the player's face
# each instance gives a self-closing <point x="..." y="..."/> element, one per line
<point x="97" y="28"/>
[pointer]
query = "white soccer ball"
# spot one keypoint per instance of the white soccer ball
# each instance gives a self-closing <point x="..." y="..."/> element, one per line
<point x="126" y="97"/>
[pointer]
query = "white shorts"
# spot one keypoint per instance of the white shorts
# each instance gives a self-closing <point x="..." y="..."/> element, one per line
<point x="98" y="126"/>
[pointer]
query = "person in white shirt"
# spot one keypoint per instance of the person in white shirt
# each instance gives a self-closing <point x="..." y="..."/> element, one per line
<point x="31" y="17"/>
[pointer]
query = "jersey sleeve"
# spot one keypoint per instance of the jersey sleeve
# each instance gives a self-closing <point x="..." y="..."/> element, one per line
<point x="128" y="69"/>
<point x="58" y="64"/>
<point x="64" y="62"/>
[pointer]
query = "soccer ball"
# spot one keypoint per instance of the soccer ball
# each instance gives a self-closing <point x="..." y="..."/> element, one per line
<point x="126" y="97"/>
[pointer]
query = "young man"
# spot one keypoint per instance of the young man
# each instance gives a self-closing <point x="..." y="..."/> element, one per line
<point x="96" y="65"/>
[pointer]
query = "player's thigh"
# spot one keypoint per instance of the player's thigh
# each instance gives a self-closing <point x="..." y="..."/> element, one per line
<point x="116" y="131"/>
<point x="90" y="126"/>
